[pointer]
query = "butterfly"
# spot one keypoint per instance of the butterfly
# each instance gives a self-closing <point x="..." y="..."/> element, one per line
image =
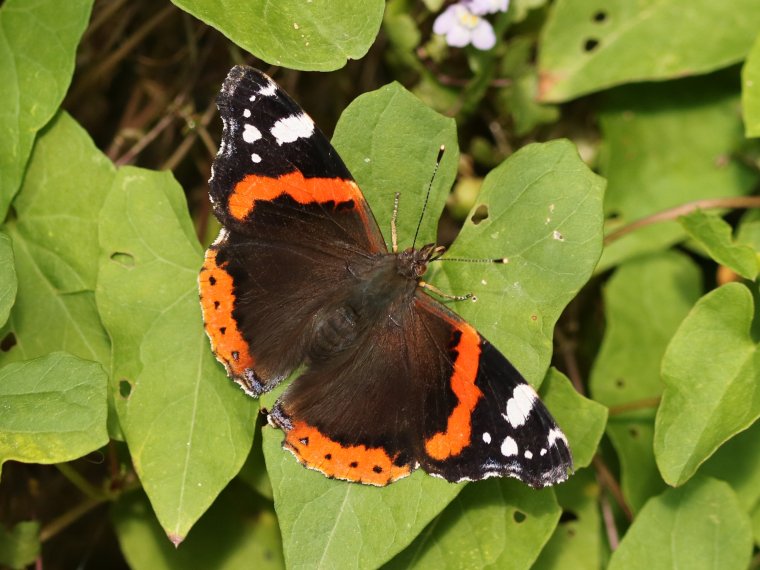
<point x="300" y="275"/>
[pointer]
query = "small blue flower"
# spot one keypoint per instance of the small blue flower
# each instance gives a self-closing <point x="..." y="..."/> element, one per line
<point x="461" y="26"/>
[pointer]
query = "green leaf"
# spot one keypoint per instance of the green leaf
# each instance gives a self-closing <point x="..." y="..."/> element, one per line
<point x="188" y="427"/>
<point x="55" y="245"/>
<point x="359" y="526"/>
<point x="756" y="524"/>
<point x="20" y="546"/>
<point x="576" y="542"/>
<point x="54" y="409"/>
<point x="581" y="419"/>
<point x="701" y="525"/>
<point x="544" y="219"/>
<point x="589" y="45"/>
<point x="235" y="533"/>
<point x="294" y="33"/>
<point x="497" y="523"/>
<point x="710" y="372"/>
<point x="38" y="42"/>
<point x="751" y="91"/>
<point x="367" y="138"/>
<point x="665" y="145"/>
<point x="8" y="281"/>
<point x="652" y="294"/>
<point x="737" y="462"/>
<point x="714" y="235"/>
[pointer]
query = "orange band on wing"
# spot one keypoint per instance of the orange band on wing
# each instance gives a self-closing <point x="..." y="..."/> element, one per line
<point x="358" y="463"/>
<point x="217" y="302"/>
<point x="302" y="190"/>
<point x="458" y="432"/>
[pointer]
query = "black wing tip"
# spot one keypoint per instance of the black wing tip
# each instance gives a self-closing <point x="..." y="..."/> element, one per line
<point x="242" y="75"/>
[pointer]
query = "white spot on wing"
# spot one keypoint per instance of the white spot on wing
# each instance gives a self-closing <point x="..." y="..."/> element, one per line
<point x="292" y="128"/>
<point x="486" y="437"/>
<point x="520" y="405"/>
<point x="251" y="134"/>
<point x="246" y="113"/>
<point x="255" y="158"/>
<point x="269" y="89"/>
<point x="543" y="452"/>
<point x="508" y="447"/>
<point x="554" y="435"/>
<point x="252" y="98"/>
<point x="528" y="454"/>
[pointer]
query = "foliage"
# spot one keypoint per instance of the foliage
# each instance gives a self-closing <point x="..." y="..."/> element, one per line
<point x="603" y="150"/>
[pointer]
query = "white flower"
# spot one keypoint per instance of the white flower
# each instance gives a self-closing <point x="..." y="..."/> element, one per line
<point x="482" y="7"/>
<point x="462" y="27"/>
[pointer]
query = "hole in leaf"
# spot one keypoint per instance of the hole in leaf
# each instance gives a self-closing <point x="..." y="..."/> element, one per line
<point x="8" y="342"/>
<point x="125" y="388"/>
<point x="124" y="259"/>
<point x="481" y="213"/>
<point x="600" y="16"/>
<point x="568" y="516"/>
<point x="590" y="45"/>
<point x="519" y="516"/>
<point x="633" y="432"/>
<point x="620" y="383"/>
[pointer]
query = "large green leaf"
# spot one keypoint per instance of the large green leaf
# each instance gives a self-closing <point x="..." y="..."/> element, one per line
<point x="55" y="245"/>
<point x="627" y="370"/>
<point x="588" y="45"/>
<point x="8" y="281"/>
<point x="235" y="533"/>
<point x="751" y="91"/>
<point x="300" y="34"/>
<point x="710" y="372"/>
<point x="54" y="409"/>
<point x="544" y="220"/>
<point x="494" y="523"/>
<point x="665" y="145"/>
<point x="189" y="429"/>
<point x="38" y="40"/>
<point x="715" y="236"/>
<point x="699" y="526"/>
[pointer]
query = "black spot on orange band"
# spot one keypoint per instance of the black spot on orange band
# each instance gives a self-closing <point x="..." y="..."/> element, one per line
<point x="217" y="302"/>
<point x="357" y="463"/>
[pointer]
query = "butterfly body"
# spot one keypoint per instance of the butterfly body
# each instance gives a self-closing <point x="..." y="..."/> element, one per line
<point x="300" y="275"/>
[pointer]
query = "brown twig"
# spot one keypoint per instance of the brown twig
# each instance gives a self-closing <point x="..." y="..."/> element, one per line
<point x="670" y="214"/>
<point x="607" y="480"/>
<point x="567" y="349"/>
<point x="157" y="129"/>
<point x="613" y="536"/>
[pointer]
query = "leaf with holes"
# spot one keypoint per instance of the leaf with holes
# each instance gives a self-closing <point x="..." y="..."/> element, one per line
<point x="38" y="42"/>
<point x="189" y="429"/>
<point x="55" y="246"/>
<point x="751" y="91"/>
<point x="299" y="34"/>
<point x="544" y="218"/>
<point x="8" y="281"/>
<point x="54" y="409"/>
<point x="626" y="373"/>
<point x="497" y="523"/>
<point x="714" y="235"/>
<point x="701" y="525"/>
<point x="589" y="45"/>
<point x="576" y="542"/>
<point x="665" y="145"/>
<point x="238" y="531"/>
<point x="710" y="372"/>
<point x="20" y="546"/>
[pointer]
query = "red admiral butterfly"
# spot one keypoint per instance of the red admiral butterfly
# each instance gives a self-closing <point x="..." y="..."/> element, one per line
<point x="300" y="274"/>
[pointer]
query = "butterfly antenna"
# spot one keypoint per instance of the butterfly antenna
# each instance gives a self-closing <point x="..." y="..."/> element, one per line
<point x="427" y="196"/>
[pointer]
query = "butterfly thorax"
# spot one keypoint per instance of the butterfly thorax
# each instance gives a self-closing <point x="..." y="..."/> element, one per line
<point x="412" y="263"/>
